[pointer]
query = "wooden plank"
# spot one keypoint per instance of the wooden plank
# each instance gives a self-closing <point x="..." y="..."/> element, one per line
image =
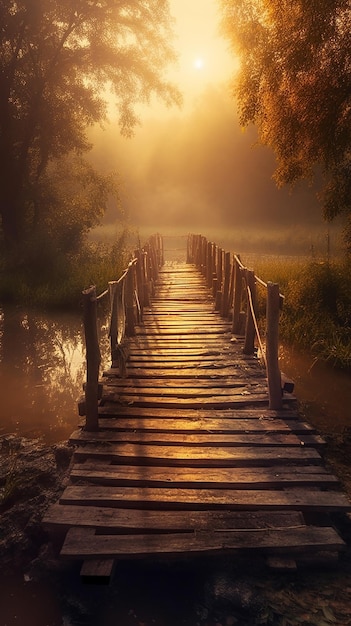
<point x="216" y="333"/>
<point x="226" y="402"/>
<point x="183" y="338"/>
<point x="200" y="353"/>
<point x="183" y="425"/>
<point x="224" y="478"/>
<point x="199" y="439"/>
<point x="185" y="327"/>
<point x="281" y="564"/>
<point x="182" y="343"/>
<point x="233" y="414"/>
<point x="156" y="394"/>
<point x="255" y="414"/>
<point x="97" y="571"/>
<point x="234" y="499"/>
<point x="80" y="544"/>
<point x="192" y="456"/>
<point x="160" y="314"/>
<point x="222" y="359"/>
<point x="138" y="384"/>
<point x="179" y="372"/>
<point x="61" y="517"/>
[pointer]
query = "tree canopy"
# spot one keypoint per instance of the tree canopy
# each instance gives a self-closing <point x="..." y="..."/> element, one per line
<point x="60" y="63"/>
<point x="294" y="83"/>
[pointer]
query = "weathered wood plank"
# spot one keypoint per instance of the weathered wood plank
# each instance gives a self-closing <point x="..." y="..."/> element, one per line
<point x="223" y="478"/>
<point x="185" y="322"/>
<point x="175" y="333"/>
<point x="60" y="516"/>
<point x="185" y="371"/>
<point x="183" y="425"/>
<point x="137" y="384"/>
<point x="234" y="499"/>
<point x="253" y="413"/>
<point x="140" y="394"/>
<point x="222" y="359"/>
<point x="226" y="402"/>
<point x="192" y="456"/>
<point x="97" y="571"/>
<point x="79" y="544"/>
<point x="198" y="439"/>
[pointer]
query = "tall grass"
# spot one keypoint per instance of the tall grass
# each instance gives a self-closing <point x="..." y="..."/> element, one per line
<point x="51" y="279"/>
<point x="317" y="306"/>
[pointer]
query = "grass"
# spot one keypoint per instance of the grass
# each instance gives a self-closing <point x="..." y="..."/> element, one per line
<point x="53" y="280"/>
<point x="317" y="307"/>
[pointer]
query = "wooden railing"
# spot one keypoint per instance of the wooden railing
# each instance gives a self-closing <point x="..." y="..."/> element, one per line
<point x="128" y="296"/>
<point x="234" y="288"/>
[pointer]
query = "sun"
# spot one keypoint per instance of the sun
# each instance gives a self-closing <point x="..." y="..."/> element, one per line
<point x="199" y="63"/>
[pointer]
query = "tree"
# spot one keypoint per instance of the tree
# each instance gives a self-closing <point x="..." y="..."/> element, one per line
<point x="294" y="83"/>
<point x="60" y="61"/>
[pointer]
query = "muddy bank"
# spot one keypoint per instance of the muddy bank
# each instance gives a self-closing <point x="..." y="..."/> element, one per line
<point x="32" y="476"/>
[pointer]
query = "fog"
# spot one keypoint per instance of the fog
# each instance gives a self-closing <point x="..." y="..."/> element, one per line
<point x="199" y="171"/>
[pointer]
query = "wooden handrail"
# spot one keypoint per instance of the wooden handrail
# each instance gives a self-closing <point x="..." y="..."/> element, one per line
<point x="129" y="294"/>
<point x="234" y="288"/>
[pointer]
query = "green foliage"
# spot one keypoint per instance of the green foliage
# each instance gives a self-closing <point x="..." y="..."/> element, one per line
<point x="294" y="84"/>
<point x="60" y="278"/>
<point x="318" y="311"/>
<point x="60" y="62"/>
<point x="317" y="307"/>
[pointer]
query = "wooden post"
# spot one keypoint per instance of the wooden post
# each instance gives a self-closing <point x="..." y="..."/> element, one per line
<point x="272" y="347"/>
<point x="214" y="285"/>
<point x="219" y="268"/>
<point x="162" y="250"/>
<point x="250" y="332"/>
<point x="209" y="264"/>
<point x="129" y="302"/>
<point x="203" y="256"/>
<point x="231" y="289"/>
<point x="197" y="251"/>
<point x="93" y="359"/>
<point x="191" y="248"/>
<point x="238" y="290"/>
<point x="140" y="281"/>
<point x="225" y="294"/>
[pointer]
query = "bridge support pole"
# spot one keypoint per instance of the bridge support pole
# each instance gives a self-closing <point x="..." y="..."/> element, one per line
<point x="93" y="359"/>
<point x="272" y="347"/>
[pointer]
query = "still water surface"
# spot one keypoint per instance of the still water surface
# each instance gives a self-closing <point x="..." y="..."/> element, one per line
<point x="42" y="369"/>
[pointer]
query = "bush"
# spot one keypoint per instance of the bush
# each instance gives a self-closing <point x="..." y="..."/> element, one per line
<point x="46" y="277"/>
<point x="317" y="306"/>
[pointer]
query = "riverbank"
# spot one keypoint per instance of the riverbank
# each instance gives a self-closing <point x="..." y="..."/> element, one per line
<point x="210" y="593"/>
<point x="32" y="476"/>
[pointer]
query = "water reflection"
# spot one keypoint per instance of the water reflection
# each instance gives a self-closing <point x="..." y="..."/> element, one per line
<point x="42" y="368"/>
<point x="324" y="392"/>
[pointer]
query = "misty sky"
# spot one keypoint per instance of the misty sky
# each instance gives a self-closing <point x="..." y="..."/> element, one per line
<point x="196" y="168"/>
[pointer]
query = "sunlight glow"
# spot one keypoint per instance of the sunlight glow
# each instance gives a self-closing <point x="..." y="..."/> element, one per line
<point x="199" y="63"/>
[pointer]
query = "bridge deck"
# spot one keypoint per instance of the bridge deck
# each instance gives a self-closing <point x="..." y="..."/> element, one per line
<point x="188" y="457"/>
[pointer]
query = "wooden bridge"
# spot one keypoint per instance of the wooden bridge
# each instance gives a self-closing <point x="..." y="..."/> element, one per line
<point x="190" y="445"/>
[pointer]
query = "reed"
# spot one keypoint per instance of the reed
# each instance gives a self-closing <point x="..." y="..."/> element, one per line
<point x="317" y="307"/>
<point x="57" y="281"/>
